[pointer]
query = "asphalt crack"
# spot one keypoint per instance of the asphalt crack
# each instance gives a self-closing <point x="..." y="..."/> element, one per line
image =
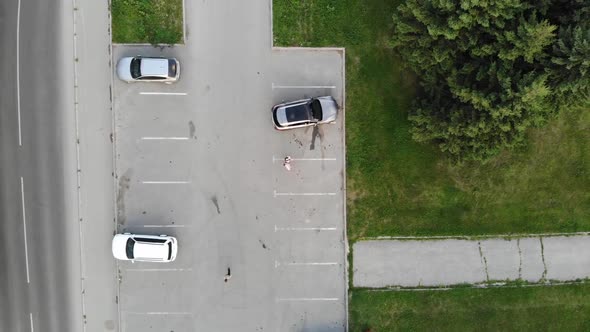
<point x="216" y="203"/>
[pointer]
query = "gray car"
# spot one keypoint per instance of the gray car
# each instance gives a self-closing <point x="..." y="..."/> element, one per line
<point x="304" y="113"/>
<point x="146" y="69"/>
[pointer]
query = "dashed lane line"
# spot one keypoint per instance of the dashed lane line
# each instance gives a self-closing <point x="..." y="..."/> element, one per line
<point x="22" y="194"/>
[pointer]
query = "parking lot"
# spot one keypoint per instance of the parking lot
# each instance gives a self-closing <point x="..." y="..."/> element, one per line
<point x="200" y="160"/>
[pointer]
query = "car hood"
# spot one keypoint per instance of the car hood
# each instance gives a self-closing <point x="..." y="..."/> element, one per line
<point x="329" y="109"/>
<point x="119" y="246"/>
<point x="124" y="69"/>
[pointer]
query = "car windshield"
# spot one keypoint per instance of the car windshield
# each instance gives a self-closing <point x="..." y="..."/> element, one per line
<point x="135" y="65"/>
<point x="171" y="68"/>
<point x="316" y="109"/>
<point x="129" y="248"/>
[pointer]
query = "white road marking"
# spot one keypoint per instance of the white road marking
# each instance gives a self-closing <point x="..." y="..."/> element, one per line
<point x="20" y="138"/>
<point x="78" y="164"/>
<point x="304" y="159"/>
<point x="163" y="93"/>
<point x="303" y="194"/>
<point x="277" y="264"/>
<point x="165" y="182"/>
<point x="160" y="226"/>
<point x="304" y="228"/>
<point x="303" y="86"/>
<point x="147" y="138"/>
<point x="159" y="270"/>
<point x="31" y="320"/>
<point x="283" y="299"/>
<point x="159" y="313"/>
<point x="22" y="195"/>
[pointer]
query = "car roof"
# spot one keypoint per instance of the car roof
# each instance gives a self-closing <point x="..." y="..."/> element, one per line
<point x="298" y="113"/>
<point x="148" y="250"/>
<point x="154" y="67"/>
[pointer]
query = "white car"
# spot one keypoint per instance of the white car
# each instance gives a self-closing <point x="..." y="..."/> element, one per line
<point x="144" y="248"/>
<point x="146" y="69"/>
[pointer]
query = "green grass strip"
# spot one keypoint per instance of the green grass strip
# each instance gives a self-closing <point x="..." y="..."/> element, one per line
<point x="544" y="308"/>
<point x="147" y="21"/>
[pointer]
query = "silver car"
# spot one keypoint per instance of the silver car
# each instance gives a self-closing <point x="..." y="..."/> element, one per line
<point x="145" y="69"/>
<point x="304" y="113"/>
<point x="144" y="248"/>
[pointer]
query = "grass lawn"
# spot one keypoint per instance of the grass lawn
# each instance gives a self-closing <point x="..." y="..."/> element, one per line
<point x="555" y="308"/>
<point x="399" y="187"/>
<point x="147" y="21"/>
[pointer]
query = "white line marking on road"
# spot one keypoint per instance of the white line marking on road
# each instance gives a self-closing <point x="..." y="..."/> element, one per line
<point x="20" y="138"/>
<point x="78" y="163"/>
<point x="307" y="299"/>
<point x="165" y="138"/>
<point x="22" y="195"/>
<point x="303" y="86"/>
<point x="277" y="264"/>
<point x="274" y="159"/>
<point x="165" y="182"/>
<point x="159" y="313"/>
<point x="163" y="93"/>
<point x="303" y="194"/>
<point x="159" y="270"/>
<point x="31" y="320"/>
<point x="160" y="226"/>
<point x="304" y="228"/>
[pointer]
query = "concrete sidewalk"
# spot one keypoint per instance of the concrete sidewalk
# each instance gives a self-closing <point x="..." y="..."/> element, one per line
<point x="429" y="262"/>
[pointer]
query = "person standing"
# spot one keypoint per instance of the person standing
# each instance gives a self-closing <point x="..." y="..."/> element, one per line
<point x="287" y="163"/>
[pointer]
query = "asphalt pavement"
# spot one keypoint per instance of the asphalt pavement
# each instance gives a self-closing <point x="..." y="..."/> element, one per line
<point x="200" y="160"/>
<point x="39" y="280"/>
<point x="282" y="233"/>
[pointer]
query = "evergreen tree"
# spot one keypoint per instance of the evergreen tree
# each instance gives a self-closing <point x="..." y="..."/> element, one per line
<point x="489" y="70"/>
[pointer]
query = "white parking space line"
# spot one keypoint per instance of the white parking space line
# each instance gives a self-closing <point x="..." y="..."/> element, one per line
<point x="274" y="159"/>
<point x="159" y="313"/>
<point x="31" y="320"/>
<point x="165" y="138"/>
<point x="277" y="264"/>
<point x="304" y="228"/>
<point x="22" y="195"/>
<point x="20" y="138"/>
<point x="162" y="226"/>
<point x="159" y="270"/>
<point x="285" y="299"/>
<point x="165" y="182"/>
<point x="303" y="194"/>
<point x="163" y="93"/>
<point x="303" y="86"/>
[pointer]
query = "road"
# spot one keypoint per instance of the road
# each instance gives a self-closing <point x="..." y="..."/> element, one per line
<point x="39" y="251"/>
